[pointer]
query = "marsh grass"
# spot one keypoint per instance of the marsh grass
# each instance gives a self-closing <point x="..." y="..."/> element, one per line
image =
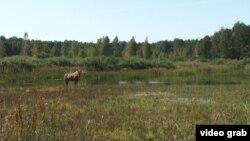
<point x="113" y="112"/>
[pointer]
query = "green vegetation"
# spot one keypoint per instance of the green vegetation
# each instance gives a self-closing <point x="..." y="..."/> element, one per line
<point x="25" y="63"/>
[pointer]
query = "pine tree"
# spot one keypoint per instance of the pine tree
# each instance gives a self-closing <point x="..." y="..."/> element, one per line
<point x="2" y="47"/>
<point x="115" y="47"/>
<point x="146" y="49"/>
<point x="104" y="47"/>
<point x="130" y="49"/>
<point x="24" y="48"/>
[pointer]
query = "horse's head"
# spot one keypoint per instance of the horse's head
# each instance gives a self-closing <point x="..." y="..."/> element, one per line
<point x="81" y="71"/>
<point x="78" y="72"/>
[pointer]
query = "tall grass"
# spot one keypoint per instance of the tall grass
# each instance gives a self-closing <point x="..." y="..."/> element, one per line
<point x="113" y="112"/>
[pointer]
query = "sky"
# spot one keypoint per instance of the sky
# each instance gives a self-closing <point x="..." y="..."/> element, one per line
<point x="88" y="20"/>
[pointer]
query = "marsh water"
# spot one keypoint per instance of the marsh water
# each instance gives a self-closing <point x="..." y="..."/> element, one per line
<point x="134" y="77"/>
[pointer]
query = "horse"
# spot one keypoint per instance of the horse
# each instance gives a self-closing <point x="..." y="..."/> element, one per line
<point x="72" y="77"/>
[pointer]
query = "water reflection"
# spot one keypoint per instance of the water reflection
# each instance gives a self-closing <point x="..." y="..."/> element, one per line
<point x="122" y="82"/>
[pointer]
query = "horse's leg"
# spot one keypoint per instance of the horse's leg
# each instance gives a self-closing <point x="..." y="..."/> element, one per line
<point x="66" y="81"/>
<point x="76" y="81"/>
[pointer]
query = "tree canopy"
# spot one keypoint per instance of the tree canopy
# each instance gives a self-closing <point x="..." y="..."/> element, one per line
<point x="226" y="43"/>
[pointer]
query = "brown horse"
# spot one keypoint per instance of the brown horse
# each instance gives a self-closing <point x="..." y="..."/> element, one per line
<point x="72" y="77"/>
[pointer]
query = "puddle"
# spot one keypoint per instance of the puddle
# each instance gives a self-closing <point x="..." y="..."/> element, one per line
<point x="172" y="97"/>
<point x="157" y="82"/>
<point x="122" y="82"/>
<point x="152" y="82"/>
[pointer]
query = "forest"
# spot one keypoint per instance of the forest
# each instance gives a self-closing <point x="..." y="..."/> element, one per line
<point x="107" y="54"/>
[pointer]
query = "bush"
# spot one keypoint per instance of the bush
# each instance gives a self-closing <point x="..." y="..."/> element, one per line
<point x="101" y="63"/>
<point x="60" y="61"/>
<point x="44" y="55"/>
<point x="16" y="64"/>
<point x="136" y="63"/>
<point x="24" y="63"/>
<point x="164" y="64"/>
<point x="219" y="61"/>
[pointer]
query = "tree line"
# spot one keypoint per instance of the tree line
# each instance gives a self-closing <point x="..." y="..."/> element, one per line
<point x="226" y="43"/>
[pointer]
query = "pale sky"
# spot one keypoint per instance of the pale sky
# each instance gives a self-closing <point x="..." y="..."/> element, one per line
<point x="88" y="20"/>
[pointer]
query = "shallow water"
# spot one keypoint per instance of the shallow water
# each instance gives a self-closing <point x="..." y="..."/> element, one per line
<point x="153" y="82"/>
<point x="173" y="97"/>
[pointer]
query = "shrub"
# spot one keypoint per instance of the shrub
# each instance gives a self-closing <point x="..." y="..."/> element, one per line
<point x="136" y="63"/>
<point x="163" y="64"/>
<point x="101" y="63"/>
<point x="16" y="64"/>
<point x="60" y="61"/>
<point x="44" y="55"/>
